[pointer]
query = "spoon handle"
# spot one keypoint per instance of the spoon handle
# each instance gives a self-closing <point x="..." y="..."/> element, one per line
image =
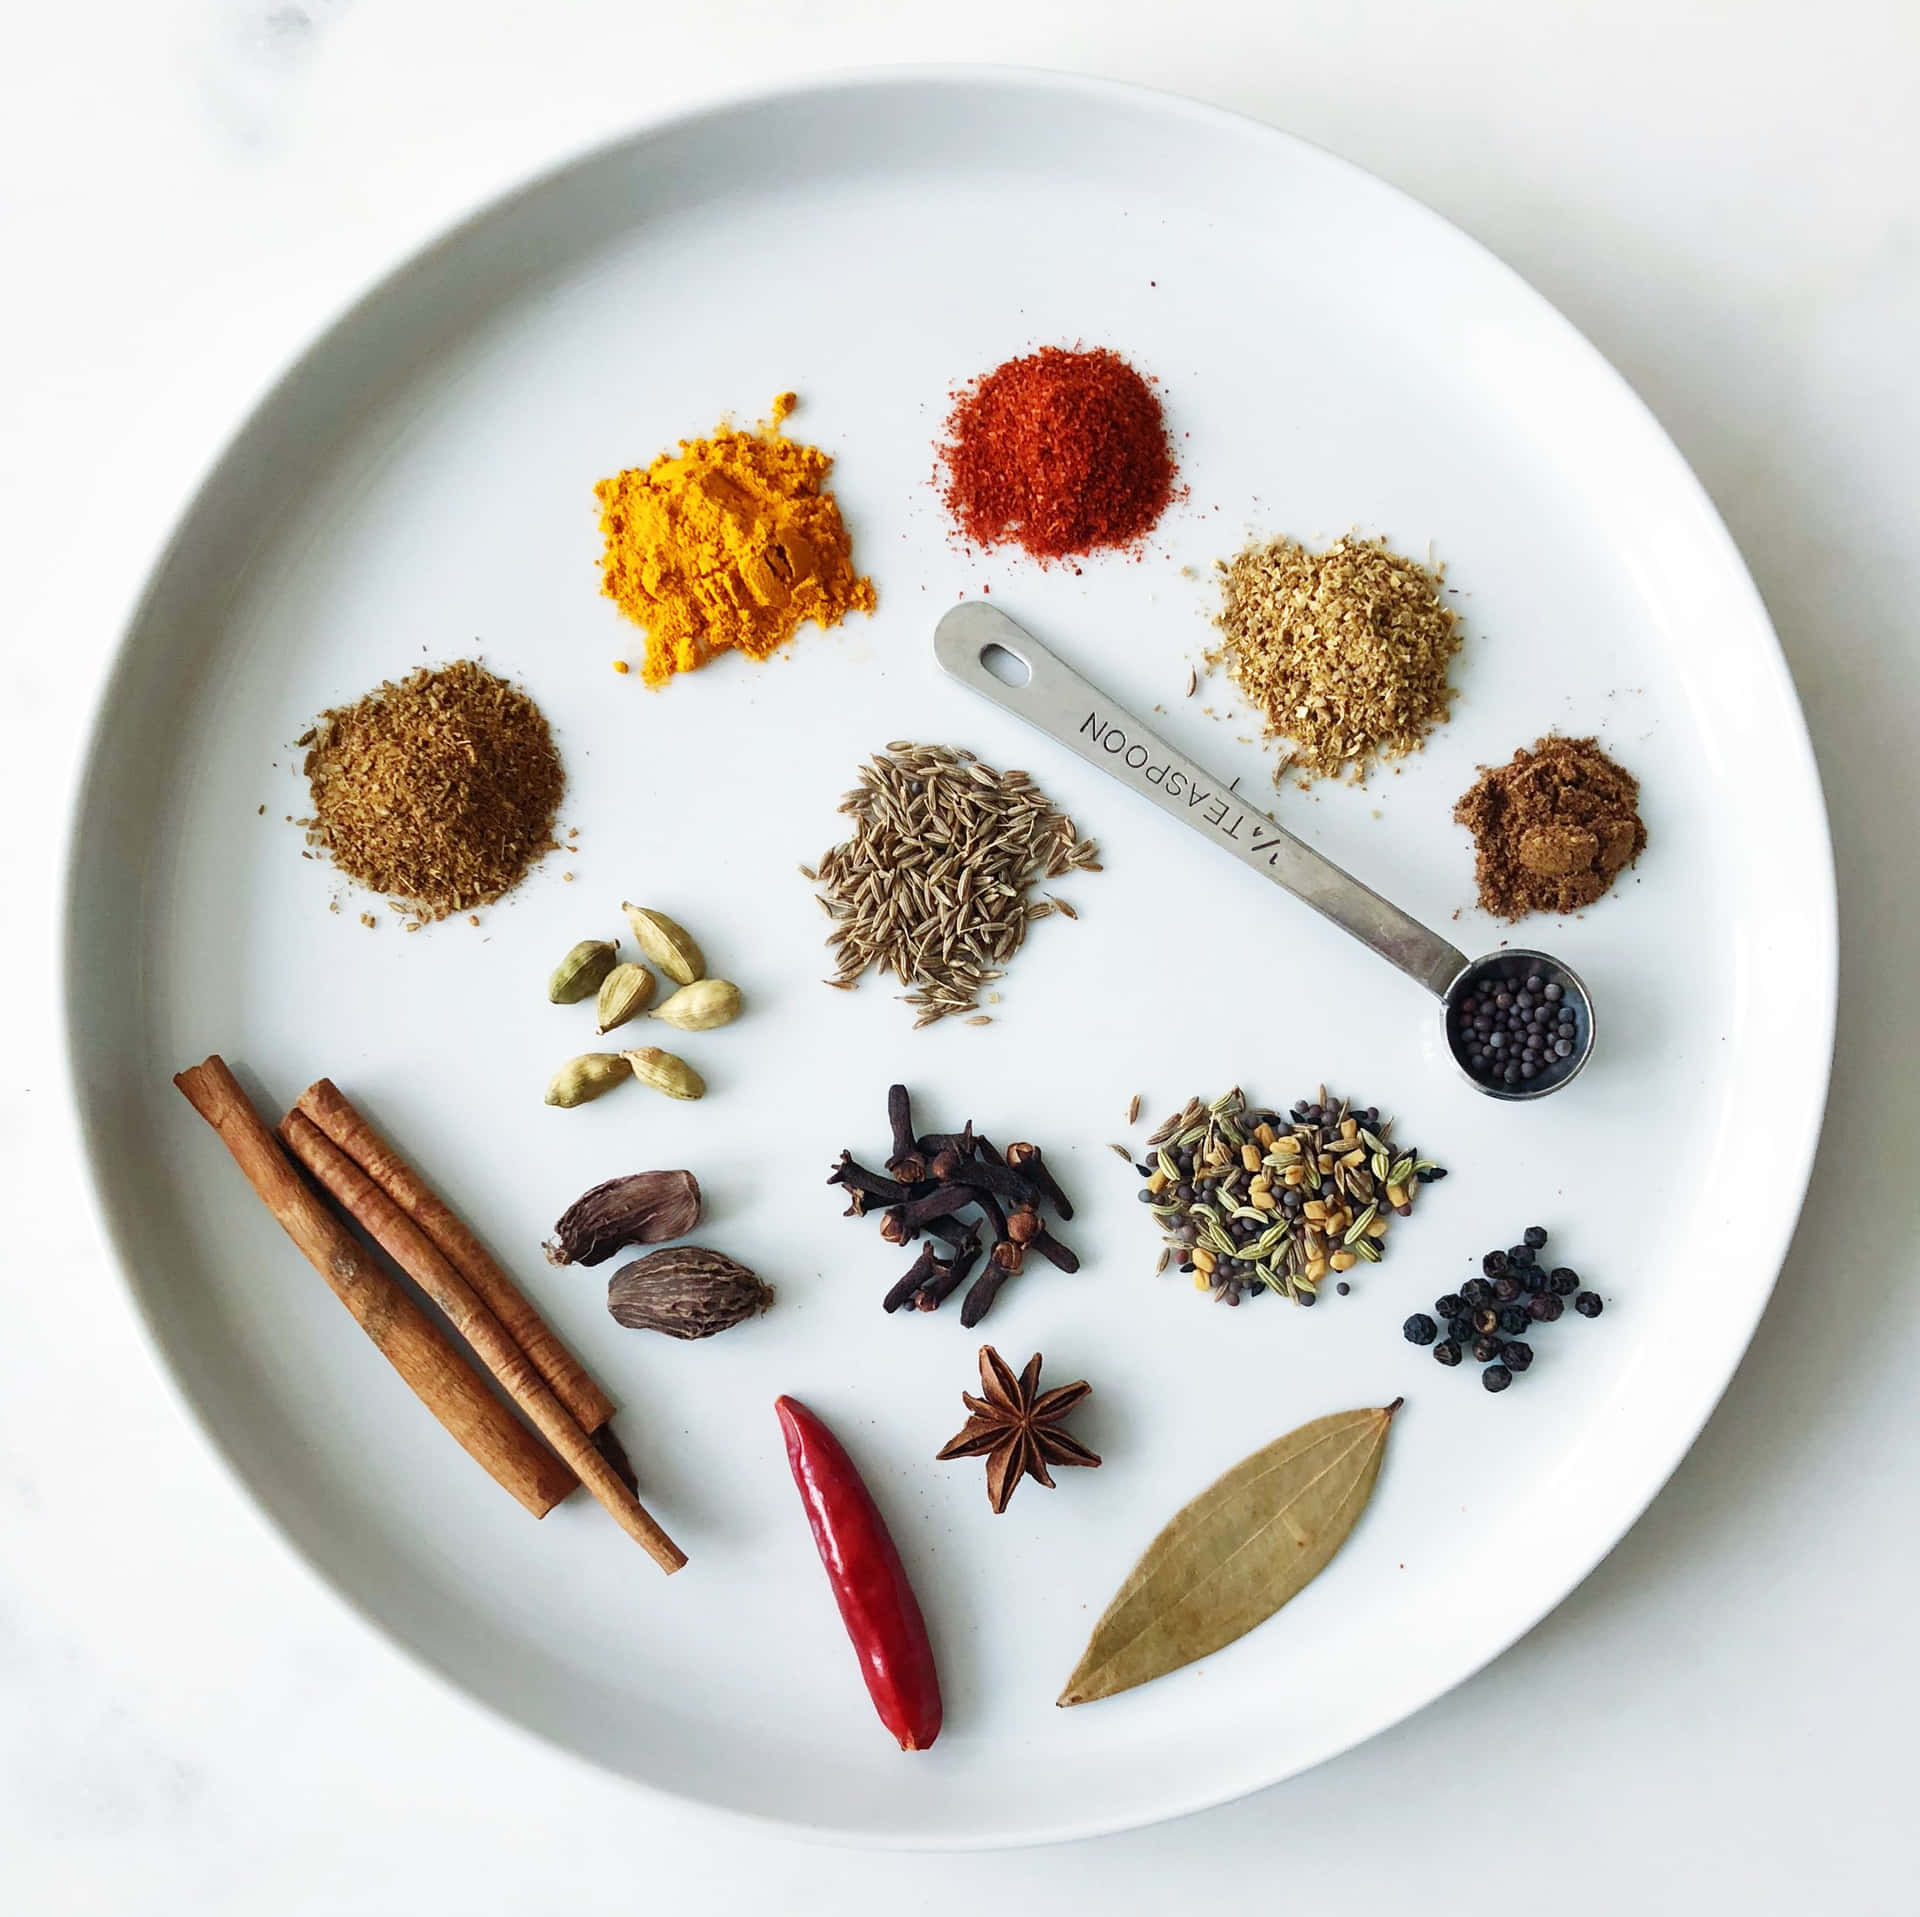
<point x="1057" y="701"/>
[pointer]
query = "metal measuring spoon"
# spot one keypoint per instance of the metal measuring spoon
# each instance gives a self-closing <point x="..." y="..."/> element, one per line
<point x="1035" y="685"/>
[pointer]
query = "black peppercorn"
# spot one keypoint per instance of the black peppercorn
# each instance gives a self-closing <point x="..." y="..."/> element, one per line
<point x="1486" y="1320"/>
<point x="1587" y="1304"/>
<point x="1543" y="1308"/>
<point x="1475" y="1293"/>
<point x="1564" y="1282"/>
<point x="1506" y="1290"/>
<point x="1447" y="1352"/>
<point x="1420" y="1329"/>
<point x="1521" y="1256"/>
<point x="1449" y="1306"/>
<point x="1516" y="1354"/>
<point x="1535" y="1235"/>
<point x="1496" y="1262"/>
<point x="1513" y="1320"/>
<point x="1486" y="1349"/>
<point x="1460" y="1329"/>
<point x="1496" y="1377"/>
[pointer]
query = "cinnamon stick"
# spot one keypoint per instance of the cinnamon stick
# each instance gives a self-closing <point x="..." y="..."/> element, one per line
<point x="409" y="1340"/>
<point x="328" y="1107"/>
<point x="415" y="1253"/>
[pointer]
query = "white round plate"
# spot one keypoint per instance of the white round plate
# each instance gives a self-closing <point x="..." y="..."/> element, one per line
<point x="1331" y="355"/>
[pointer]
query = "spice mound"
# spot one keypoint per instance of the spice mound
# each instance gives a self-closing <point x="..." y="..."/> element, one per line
<point x="1060" y="453"/>
<point x="932" y="886"/>
<point x="729" y="543"/>
<point x="439" y="791"/>
<point x="1552" y="828"/>
<point x="1249" y="1201"/>
<point x="1344" y="653"/>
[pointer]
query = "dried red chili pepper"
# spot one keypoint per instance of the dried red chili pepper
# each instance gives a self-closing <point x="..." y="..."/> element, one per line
<point x="1062" y="452"/>
<point x="869" y="1582"/>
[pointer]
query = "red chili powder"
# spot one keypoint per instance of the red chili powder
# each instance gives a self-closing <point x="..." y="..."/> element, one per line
<point x="1060" y="452"/>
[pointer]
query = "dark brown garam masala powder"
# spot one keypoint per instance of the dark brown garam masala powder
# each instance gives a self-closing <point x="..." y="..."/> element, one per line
<point x="1552" y="828"/>
<point x="439" y="791"/>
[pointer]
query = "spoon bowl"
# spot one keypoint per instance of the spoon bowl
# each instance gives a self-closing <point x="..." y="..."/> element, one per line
<point x="1502" y="1062"/>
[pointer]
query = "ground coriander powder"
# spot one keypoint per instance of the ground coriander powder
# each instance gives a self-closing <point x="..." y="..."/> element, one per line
<point x="1344" y="654"/>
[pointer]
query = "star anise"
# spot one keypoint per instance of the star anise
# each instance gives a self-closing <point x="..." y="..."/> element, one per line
<point x="1016" y="1427"/>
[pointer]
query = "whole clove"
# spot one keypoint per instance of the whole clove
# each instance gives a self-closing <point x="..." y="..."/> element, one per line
<point x="906" y="1162"/>
<point x="1028" y="1160"/>
<point x="932" y="1180"/>
<point x="923" y="1268"/>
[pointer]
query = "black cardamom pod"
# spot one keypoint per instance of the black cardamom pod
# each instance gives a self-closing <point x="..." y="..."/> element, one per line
<point x="685" y="1291"/>
<point x="645" y="1208"/>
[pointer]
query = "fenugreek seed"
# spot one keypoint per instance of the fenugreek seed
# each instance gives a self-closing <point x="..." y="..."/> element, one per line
<point x="1377" y="1228"/>
<point x="1250" y="1157"/>
<point x="1265" y="1200"/>
<point x="1396" y="1196"/>
<point x="1313" y="1209"/>
<point x="1343" y="1261"/>
<point x="1201" y="1282"/>
<point x="1202" y="1259"/>
<point x="1316" y="1269"/>
<point x="1157" y="1183"/>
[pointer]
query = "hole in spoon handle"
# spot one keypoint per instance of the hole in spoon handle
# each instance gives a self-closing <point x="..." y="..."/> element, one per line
<point x="1057" y="701"/>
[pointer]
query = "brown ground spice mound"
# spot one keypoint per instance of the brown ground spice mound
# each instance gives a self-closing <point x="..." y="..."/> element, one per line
<point x="1551" y="828"/>
<point x="439" y="791"/>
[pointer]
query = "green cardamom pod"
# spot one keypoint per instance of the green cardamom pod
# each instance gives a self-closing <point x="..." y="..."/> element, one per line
<point x="701" y="1006"/>
<point x="665" y="1073"/>
<point x="670" y="945"/>
<point x="578" y="975"/>
<point x="625" y="990"/>
<point x="587" y="1076"/>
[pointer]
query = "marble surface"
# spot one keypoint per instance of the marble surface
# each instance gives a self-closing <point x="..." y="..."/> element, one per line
<point x="1726" y="197"/>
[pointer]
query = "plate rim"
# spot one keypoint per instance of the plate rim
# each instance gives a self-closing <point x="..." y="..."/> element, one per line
<point x="1818" y="889"/>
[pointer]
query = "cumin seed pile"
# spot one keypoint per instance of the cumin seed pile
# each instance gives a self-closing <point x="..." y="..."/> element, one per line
<point x="439" y="791"/>
<point x="932" y="886"/>
<point x="1343" y="653"/>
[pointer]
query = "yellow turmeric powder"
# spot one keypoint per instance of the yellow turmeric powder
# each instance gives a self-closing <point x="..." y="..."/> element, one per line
<point x="729" y="542"/>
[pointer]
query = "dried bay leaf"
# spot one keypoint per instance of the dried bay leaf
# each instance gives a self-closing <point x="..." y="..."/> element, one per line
<point x="1253" y="1539"/>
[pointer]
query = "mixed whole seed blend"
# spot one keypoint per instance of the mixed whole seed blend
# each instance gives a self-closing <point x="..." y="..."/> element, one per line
<point x="1252" y="1200"/>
